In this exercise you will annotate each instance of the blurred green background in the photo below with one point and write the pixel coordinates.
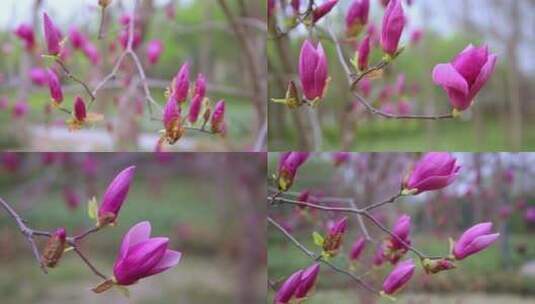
(207, 210)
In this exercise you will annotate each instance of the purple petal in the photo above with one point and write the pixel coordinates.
(483, 76)
(169, 259)
(447, 76)
(138, 233)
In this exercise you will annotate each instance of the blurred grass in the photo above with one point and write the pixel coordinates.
(412, 136)
(206, 273)
(482, 272)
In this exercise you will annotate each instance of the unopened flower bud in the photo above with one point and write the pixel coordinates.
(115, 196)
(333, 241)
(54, 248)
(79, 109)
(289, 162)
(52, 36)
(434, 266)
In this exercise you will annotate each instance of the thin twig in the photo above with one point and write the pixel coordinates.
(87, 262)
(74, 78)
(353, 82)
(27, 232)
(319, 258)
(364, 212)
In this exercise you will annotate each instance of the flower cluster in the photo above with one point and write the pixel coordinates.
(139, 255)
(462, 79)
(433, 171)
(200, 110)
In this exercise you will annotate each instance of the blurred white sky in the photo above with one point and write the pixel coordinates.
(64, 11)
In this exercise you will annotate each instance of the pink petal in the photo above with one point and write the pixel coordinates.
(483, 76)
(138, 233)
(447, 76)
(170, 259)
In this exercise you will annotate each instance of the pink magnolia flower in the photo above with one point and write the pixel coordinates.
(393, 23)
(52, 36)
(464, 77)
(287, 290)
(172, 121)
(473, 240)
(340, 158)
(271, 6)
(401, 274)
(333, 240)
(171, 113)
(289, 162)
(54, 248)
(180, 86)
(11, 161)
(115, 196)
(379, 255)
(154, 50)
(92, 53)
(505, 212)
(296, 4)
(195, 108)
(200, 86)
(72, 200)
(20, 109)
(218, 117)
(357, 17)
(357, 249)
(404, 107)
(56, 93)
(323, 10)
(365, 86)
(529, 214)
(77, 38)
(313, 71)
(79, 109)
(123, 39)
(416, 36)
(364, 53)
(400, 86)
(434, 171)
(308, 280)
(39, 76)
(25, 32)
(401, 229)
(141, 256)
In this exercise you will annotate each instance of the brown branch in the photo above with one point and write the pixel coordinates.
(87, 262)
(27, 232)
(362, 100)
(30, 233)
(102, 21)
(364, 212)
(319, 258)
(74, 78)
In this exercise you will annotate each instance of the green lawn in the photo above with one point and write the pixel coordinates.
(482, 272)
(391, 135)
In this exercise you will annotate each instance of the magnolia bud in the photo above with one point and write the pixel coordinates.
(54, 248)
(434, 266)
